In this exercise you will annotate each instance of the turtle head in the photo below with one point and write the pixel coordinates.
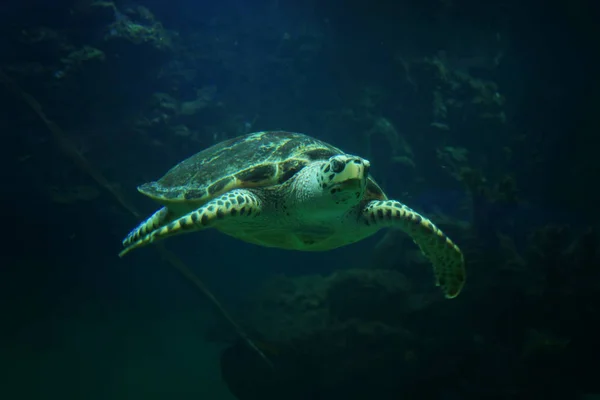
(329, 188)
(343, 178)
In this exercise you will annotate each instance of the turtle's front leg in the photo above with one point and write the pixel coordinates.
(156, 220)
(447, 259)
(239, 203)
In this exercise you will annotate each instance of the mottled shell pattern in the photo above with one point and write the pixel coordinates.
(255, 160)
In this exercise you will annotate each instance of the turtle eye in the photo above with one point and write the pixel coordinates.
(337, 166)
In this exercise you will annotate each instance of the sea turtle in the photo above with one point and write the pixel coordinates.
(291, 191)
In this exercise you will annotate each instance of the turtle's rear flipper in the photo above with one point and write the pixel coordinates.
(238, 203)
(448, 261)
(158, 219)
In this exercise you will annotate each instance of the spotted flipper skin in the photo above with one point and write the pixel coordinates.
(447, 259)
(158, 219)
(233, 204)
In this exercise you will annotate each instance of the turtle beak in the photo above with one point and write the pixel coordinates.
(357, 173)
(356, 170)
(367, 167)
(351, 174)
(363, 166)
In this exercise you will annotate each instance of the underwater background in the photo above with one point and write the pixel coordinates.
(481, 115)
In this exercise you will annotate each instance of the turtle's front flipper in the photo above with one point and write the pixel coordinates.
(447, 259)
(238, 203)
(158, 219)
